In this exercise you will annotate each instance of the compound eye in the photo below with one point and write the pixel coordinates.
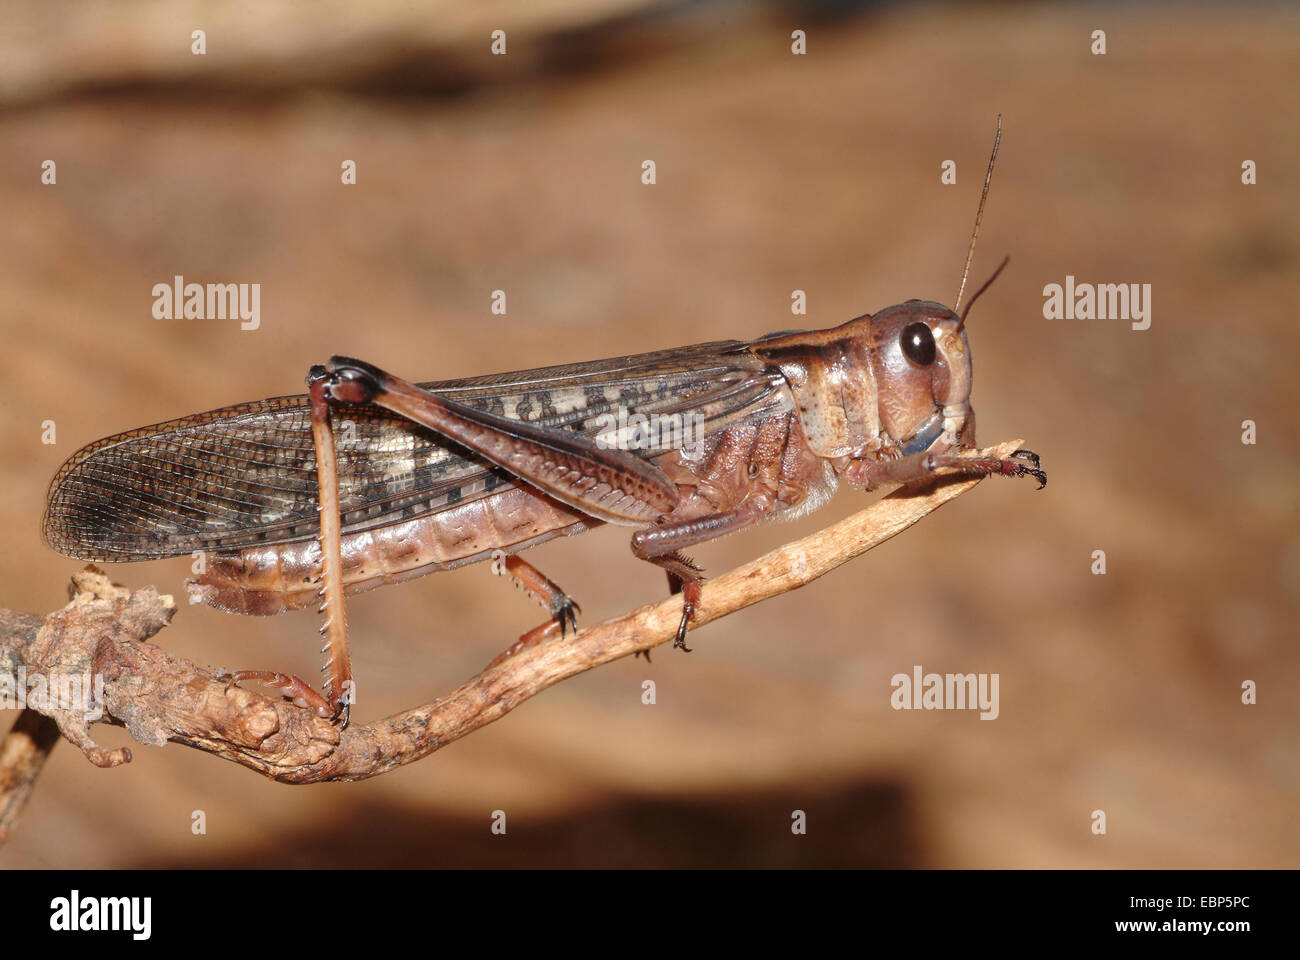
(918, 343)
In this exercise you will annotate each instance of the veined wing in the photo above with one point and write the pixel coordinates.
(245, 475)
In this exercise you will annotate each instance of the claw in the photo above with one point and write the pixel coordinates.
(688, 611)
(1014, 469)
(564, 614)
(565, 611)
(690, 596)
(1029, 455)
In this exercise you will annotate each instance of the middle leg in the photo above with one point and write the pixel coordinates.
(564, 609)
(662, 546)
(748, 477)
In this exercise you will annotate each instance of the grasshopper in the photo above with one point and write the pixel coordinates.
(448, 473)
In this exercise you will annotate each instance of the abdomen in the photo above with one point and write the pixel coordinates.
(266, 580)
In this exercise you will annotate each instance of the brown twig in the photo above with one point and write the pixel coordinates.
(161, 698)
(22, 755)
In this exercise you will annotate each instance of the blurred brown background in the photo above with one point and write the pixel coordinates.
(775, 172)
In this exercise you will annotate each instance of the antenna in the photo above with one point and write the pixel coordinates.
(979, 215)
(987, 283)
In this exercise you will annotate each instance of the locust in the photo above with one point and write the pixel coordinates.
(369, 479)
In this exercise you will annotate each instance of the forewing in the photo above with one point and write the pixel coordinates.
(245, 476)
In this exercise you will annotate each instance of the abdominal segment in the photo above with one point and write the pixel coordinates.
(261, 581)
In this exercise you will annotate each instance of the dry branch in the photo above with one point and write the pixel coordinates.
(160, 698)
(22, 755)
